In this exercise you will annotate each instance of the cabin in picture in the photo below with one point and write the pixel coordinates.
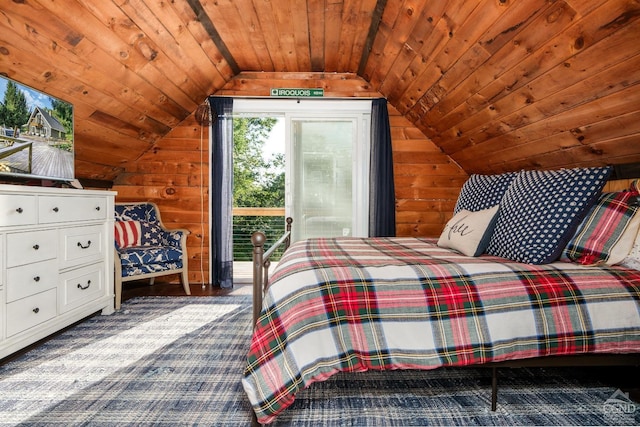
(44, 125)
(472, 87)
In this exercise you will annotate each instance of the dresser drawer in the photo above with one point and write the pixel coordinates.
(18, 210)
(28, 312)
(64, 209)
(81, 245)
(81, 286)
(31, 279)
(31, 246)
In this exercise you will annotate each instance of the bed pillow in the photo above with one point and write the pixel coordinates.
(469, 232)
(483, 191)
(632, 260)
(128, 234)
(602, 237)
(623, 247)
(541, 210)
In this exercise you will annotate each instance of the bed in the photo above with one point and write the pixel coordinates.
(355, 304)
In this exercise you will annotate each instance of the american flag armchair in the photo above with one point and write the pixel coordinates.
(145, 248)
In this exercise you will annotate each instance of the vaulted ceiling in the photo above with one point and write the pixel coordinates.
(496, 84)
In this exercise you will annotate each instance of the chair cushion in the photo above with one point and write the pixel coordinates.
(143, 255)
(137, 270)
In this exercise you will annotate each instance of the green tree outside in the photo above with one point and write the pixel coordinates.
(258, 182)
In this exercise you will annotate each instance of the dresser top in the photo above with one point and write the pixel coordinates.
(29, 189)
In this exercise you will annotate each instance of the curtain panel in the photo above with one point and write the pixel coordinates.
(382, 198)
(221, 165)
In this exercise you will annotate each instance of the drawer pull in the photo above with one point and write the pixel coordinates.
(56, 209)
(84, 287)
(19, 210)
(97, 208)
(36, 247)
(36, 279)
(80, 245)
(36, 310)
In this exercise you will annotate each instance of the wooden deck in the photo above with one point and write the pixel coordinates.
(243, 272)
(46, 161)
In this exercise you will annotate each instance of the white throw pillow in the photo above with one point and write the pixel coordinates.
(622, 249)
(469, 232)
(633, 258)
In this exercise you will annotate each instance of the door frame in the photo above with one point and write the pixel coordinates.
(292, 109)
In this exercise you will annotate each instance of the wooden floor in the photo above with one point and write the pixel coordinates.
(241, 285)
(142, 288)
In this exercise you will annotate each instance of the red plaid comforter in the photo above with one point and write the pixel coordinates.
(349, 304)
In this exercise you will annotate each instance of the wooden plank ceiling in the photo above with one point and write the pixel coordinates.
(497, 84)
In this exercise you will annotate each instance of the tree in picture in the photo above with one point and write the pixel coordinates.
(13, 110)
(63, 112)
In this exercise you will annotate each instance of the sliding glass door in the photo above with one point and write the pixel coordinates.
(326, 162)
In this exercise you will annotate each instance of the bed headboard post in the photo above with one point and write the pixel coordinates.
(258, 240)
(287, 242)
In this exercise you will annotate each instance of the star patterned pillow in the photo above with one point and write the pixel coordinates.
(541, 210)
(151, 234)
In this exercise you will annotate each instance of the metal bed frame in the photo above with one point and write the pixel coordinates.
(262, 262)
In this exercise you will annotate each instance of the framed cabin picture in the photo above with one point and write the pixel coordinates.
(36, 134)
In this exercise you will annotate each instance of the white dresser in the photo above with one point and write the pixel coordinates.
(56, 260)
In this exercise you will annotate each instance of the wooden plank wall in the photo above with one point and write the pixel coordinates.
(175, 175)
(618, 185)
(427, 181)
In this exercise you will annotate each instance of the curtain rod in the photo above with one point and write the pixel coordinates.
(319, 98)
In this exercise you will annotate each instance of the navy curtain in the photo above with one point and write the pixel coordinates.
(221, 165)
(382, 199)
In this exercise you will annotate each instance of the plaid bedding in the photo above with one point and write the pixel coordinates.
(350, 304)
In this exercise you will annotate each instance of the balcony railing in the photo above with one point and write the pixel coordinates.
(246, 221)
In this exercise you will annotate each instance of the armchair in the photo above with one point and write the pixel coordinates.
(145, 248)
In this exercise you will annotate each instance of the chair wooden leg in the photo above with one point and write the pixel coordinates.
(118, 292)
(184, 278)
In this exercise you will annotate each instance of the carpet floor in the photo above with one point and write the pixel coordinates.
(177, 361)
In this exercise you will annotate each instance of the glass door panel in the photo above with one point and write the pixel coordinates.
(322, 182)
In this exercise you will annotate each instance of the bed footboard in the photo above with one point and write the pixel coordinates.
(262, 262)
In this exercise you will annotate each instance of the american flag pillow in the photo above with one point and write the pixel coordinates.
(128, 234)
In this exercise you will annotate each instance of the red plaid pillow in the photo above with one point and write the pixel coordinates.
(128, 234)
(602, 229)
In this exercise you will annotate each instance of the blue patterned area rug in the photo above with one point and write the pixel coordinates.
(178, 361)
